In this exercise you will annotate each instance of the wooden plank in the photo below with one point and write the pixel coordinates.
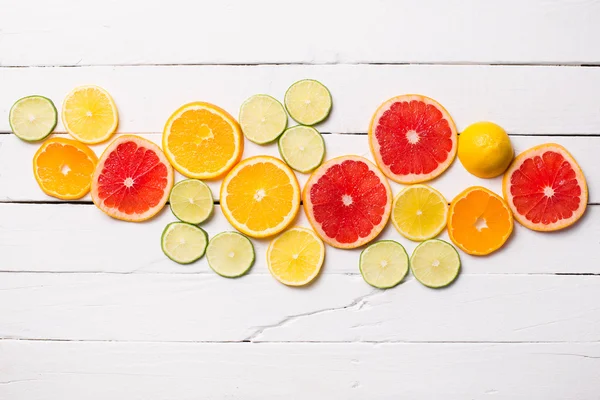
(266, 31)
(524, 100)
(18, 184)
(206, 307)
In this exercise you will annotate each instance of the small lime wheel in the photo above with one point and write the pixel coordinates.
(302, 148)
(308, 102)
(184, 243)
(191, 201)
(262, 119)
(435, 263)
(230, 254)
(33, 118)
(384, 264)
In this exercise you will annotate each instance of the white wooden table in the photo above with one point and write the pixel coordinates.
(91, 309)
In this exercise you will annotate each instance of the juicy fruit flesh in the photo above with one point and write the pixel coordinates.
(348, 201)
(302, 147)
(33, 118)
(295, 256)
(414, 138)
(308, 102)
(435, 263)
(184, 243)
(545, 188)
(191, 201)
(420, 213)
(89, 114)
(262, 118)
(230, 254)
(133, 179)
(384, 264)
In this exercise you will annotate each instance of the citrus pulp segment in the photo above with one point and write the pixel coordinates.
(479, 221)
(89, 114)
(413, 138)
(545, 188)
(435, 263)
(202, 141)
(302, 148)
(419, 212)
(295, 257)
(383, 264)
(63, 168)
(32, 118)
(260, 196)
(184, 243)
(262, 119)
(191, 201)
(347, 201)
(230, 254)
(133, 179)
(308, 102)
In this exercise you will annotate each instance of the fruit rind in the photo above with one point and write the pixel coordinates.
(282, 109)
(10, 120)
(441, 285)
(287, 161)
(168, 229)
(308, 123)
(183, 182)
(419, 238)
(250, 263)
(360, 264)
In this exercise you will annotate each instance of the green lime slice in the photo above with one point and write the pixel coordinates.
(262, 119)
(184, 243)
(308, 102)
(302, 148)
(384, 264)
(191, 201)
(230, 254)
(435, 263)
(32, 118)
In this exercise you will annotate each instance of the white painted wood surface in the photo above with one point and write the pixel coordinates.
(90, 307)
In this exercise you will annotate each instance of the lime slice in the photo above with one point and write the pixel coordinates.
(33, 118)
(191, 201)
(230, 254)
(184, 243)
(384, 264)
(302, 148)
(308, 102)
(262, 118)
(435, 263)
(419, 212)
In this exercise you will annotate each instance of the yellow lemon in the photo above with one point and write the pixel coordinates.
(484, 149)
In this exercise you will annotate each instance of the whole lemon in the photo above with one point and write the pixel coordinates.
(484, 149)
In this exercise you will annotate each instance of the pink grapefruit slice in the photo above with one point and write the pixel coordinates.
(133, 179)
(545, 188)
(347, 201)
(413, 138)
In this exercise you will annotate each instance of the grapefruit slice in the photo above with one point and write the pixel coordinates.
(413, 138)
(347, 201)
(545, 188)
(133, 179)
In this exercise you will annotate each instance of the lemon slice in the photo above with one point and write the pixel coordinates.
(89, 114)
(230, 254)
(302, 148)
(384, 264)
(308, 102)
(295, 257)
(419, 212)
(32, 118)
(184, 243)
(435, 263)
(191, 201)
(262, 119)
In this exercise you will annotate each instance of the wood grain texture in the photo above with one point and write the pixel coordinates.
(524, 100)
(65, 32)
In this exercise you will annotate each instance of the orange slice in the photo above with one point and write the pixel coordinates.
(63, 168)
(479, 221)
(202, 141)
(260, 196)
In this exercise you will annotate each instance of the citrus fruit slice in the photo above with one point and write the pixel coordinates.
(133, 179)
(413, 138)
(260, 196)
(484, 149)
(230, 254)
(308, 102)
(435, 263)
(302, 148)
(383, 264)
(347, 201)
(419, 212)
(191, 201)
(479, 221)
(32, 118)
(89, 114)
(295, 257)
(202, 141)
(184, 243)
(545, 188)
(262, 119)
(63, 168)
